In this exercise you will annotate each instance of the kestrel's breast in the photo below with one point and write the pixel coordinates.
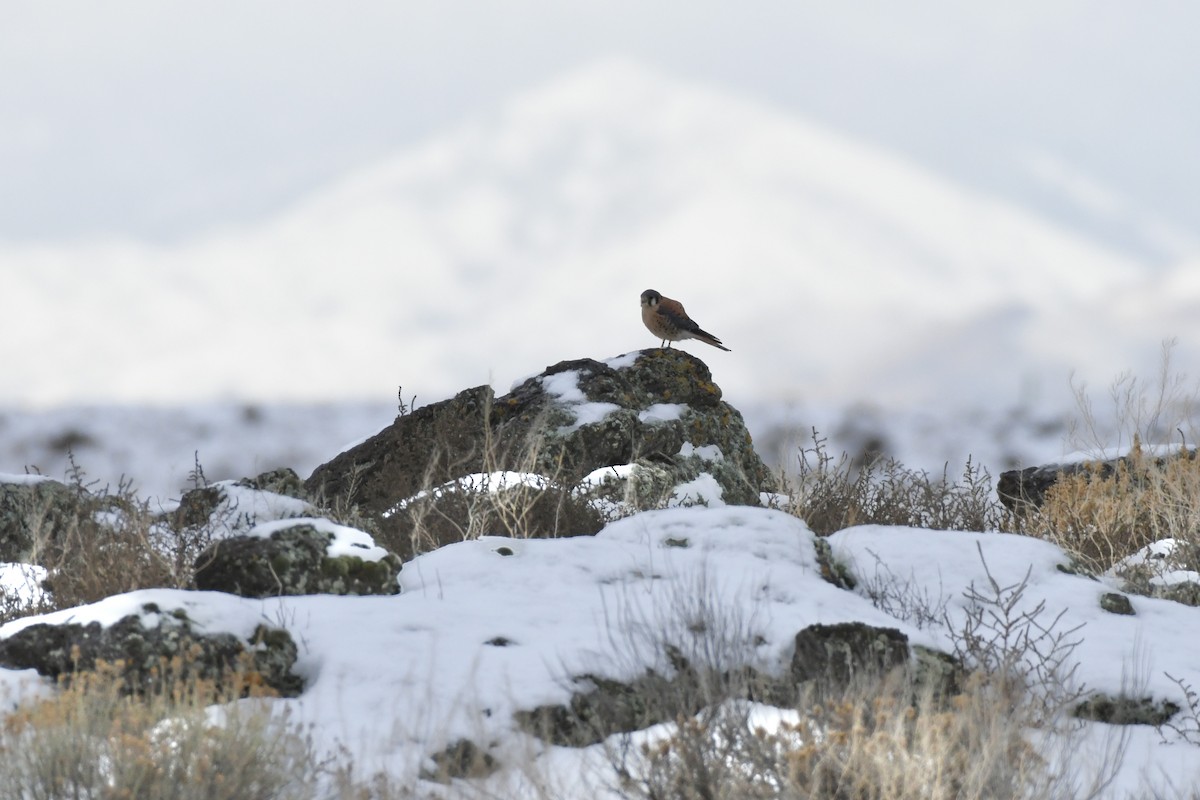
(659, 324)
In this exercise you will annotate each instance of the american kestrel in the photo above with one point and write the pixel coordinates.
(667, 320)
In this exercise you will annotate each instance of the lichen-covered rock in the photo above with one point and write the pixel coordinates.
(1124, 710)
(828, 658)
(1116, 603)
(655, 415)
(34, 510)
(142, 643)
(229, 508)
(1165, 569)
(301, 556)
(603, 706)
(833, 656)
(461, 760)
(283, 481)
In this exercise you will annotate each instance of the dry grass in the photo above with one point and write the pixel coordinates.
(1137, 409)
(517, 491)
(93, 738)
(908, 734)
(1114, 508)
(832, 493)
(886, 740)
(106, 541)
(871, 743)
(1103, 515)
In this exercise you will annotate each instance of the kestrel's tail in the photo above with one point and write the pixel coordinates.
(708, 338)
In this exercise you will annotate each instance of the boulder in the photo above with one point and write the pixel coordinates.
(233, 507)
(603, 706)
(827, 659)
(460, 760)
(300, 556)
(142, 643)
(1116, 603)
(1125, 710)
(33, 512)
(832, 657)
(1020, 489)
(655, 414)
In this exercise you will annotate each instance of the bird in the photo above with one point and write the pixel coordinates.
(667, 320)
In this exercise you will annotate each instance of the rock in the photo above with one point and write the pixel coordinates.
(831, 657)
(657, 410)
(282, 481)
(827, 658)
(1184, 592)
(460, 760)
(832, 571)
(141, 644)
(35, 511)
(605, 706)
(233, 507)
(1122, 710)
(1020, 489)
(293, 557)
(1116, 603)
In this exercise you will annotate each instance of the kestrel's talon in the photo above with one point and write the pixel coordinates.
(667, 320)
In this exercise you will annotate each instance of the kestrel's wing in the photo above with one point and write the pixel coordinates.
(678, 317)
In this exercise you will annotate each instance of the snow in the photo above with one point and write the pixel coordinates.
(346, 541)
(565, 387)
(242, 508)
(476, 482)
(22, 583)
(622, 362)
(702, 489)
(708, 452)
(484, 628)
(22, 479)
(662, 412)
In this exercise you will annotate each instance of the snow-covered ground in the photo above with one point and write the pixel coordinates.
(431, 658)
(485, 628)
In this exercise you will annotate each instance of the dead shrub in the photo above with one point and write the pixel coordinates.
(1104, 514)
(111, 541)
(517, 491)
(94, 738)
(832, 493)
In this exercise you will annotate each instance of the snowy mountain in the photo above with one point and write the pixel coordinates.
(835, 271)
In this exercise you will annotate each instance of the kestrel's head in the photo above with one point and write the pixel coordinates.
(650, 298)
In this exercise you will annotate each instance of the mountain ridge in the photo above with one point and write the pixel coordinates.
(471, 257)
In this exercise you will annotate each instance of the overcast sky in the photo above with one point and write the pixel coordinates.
(160, 120)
